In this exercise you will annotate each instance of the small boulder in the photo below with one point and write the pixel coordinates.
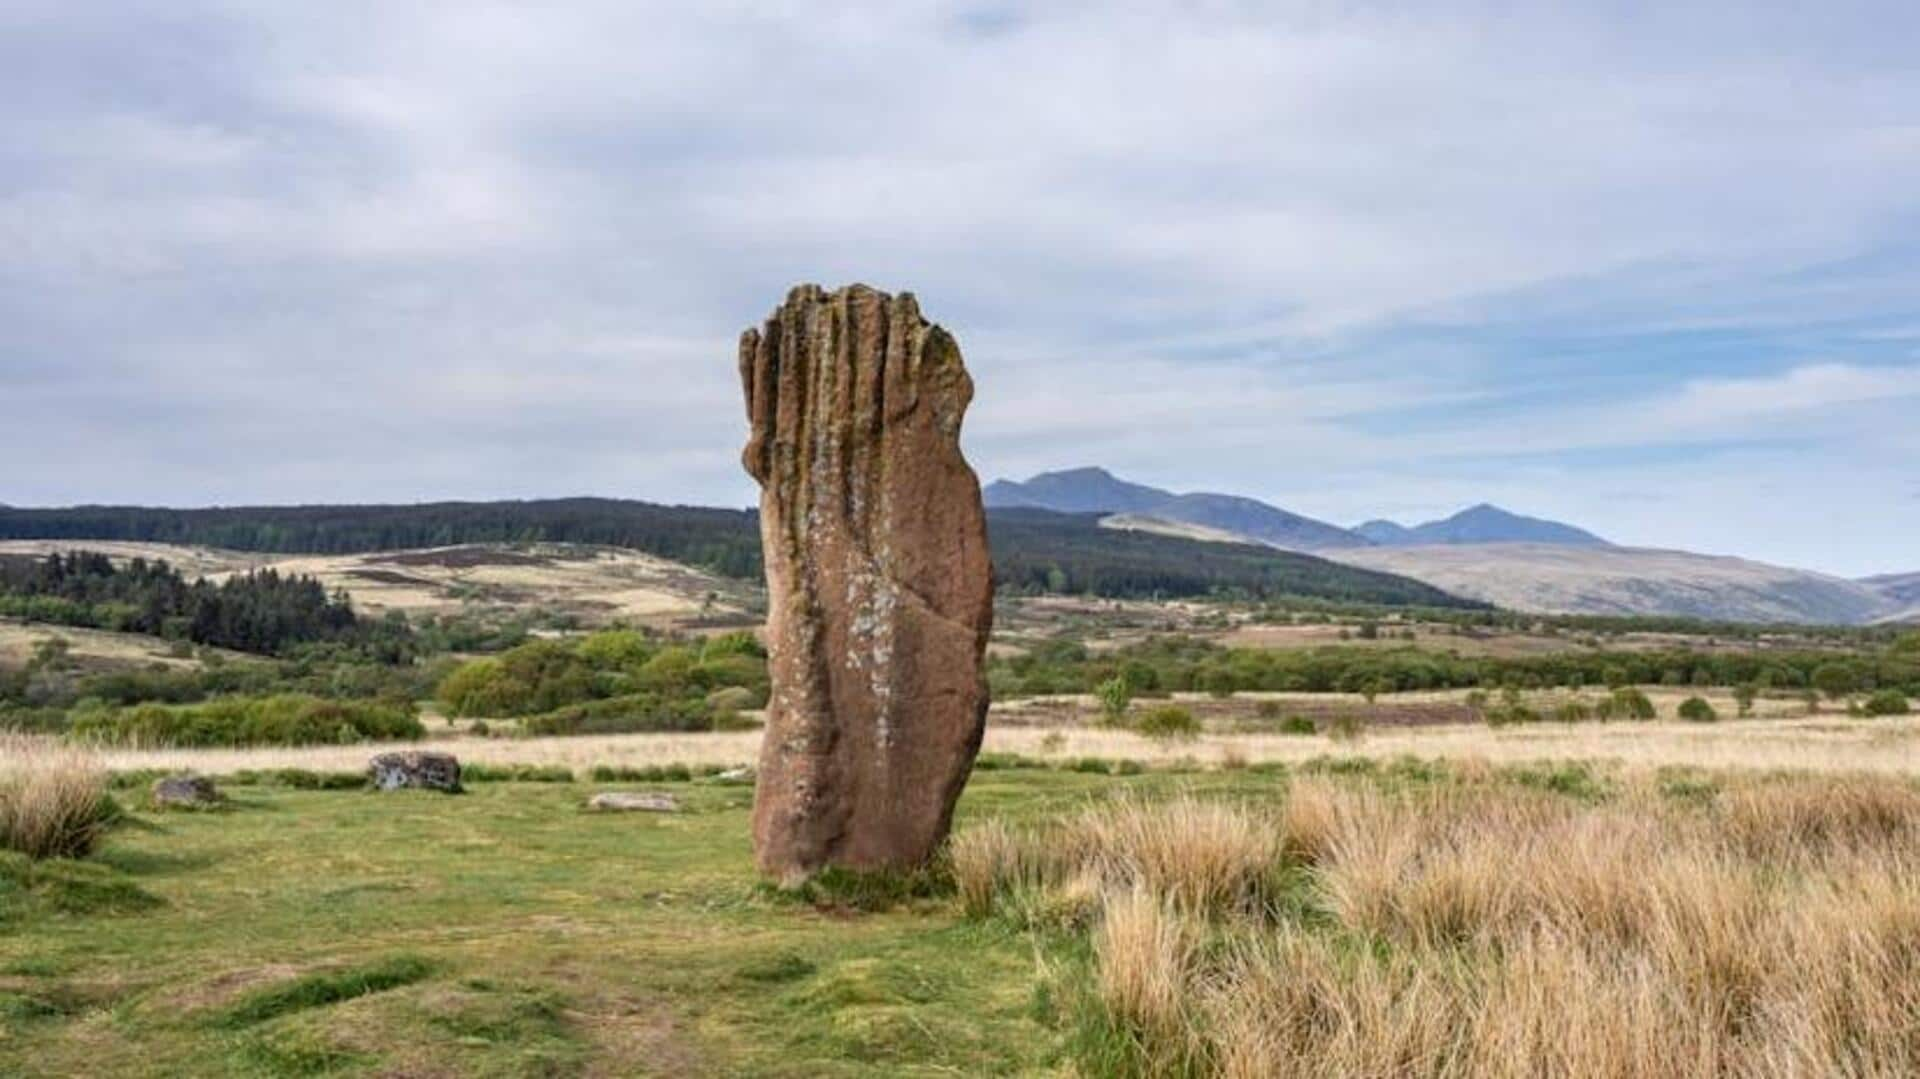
(184, 791)
(634, 801)
(415, 769)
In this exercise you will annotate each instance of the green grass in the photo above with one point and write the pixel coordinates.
(506, 933)
(313, 931)
(321, 989)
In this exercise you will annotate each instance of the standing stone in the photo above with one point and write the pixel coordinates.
(880, 588)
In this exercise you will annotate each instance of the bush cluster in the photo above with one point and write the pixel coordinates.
(1176, 664)
(286, 719)
(613, 682)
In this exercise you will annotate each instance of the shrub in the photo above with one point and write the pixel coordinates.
(635, 712)
(1626, 702)
(34, 720)
(1115, 695)
(287, 719)
(1836, 680)
(1887, 702)
(1168, 723)
(1298, 725)
(515, 773)
(653, 773)
(1697, 710)
(1346, 727)
(53, 799)
(1511, 709)
(302, 779)
(1572, 710)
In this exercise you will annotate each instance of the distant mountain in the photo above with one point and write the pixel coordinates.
(1550, 578)
(1386, 533)
(1095, 490)
(1479, 524)
(1901, 588)
(1902, 591)
(1076, 490)
(1037, 550)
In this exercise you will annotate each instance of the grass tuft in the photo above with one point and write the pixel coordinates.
(53, 799)
(322, 988)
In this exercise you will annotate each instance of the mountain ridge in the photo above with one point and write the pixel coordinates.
(1479, 524)
(1546, 578)
(1092, 489)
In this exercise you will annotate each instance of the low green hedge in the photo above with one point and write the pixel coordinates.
(632, 713)
(287, 719)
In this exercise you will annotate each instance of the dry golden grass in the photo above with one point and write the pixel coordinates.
(1819, 745)
(52, 798)
(1472, 929)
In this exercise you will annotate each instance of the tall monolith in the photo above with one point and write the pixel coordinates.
(880, 590)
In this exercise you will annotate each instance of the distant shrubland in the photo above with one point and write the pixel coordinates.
(612, 681)
(1185, 664)
(285, 720)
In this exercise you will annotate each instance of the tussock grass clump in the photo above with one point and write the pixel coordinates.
(1497, 928)
(53, 799)
(1167, 723)
(1144, 952)
(1196, 854)
(1803, 818)
(66, 886)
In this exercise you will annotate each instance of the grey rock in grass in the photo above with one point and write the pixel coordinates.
(184, 791)
(417, 770)
(634, 801)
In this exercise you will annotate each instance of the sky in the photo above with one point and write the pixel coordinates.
(1650, 269)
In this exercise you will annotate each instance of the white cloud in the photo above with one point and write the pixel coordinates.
(489, 246)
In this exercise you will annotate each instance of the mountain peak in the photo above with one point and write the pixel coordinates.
(1091, 489)
(1480, 523)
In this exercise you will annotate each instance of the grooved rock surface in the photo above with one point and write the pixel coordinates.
(880, 588)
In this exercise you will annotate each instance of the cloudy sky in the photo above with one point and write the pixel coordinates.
(1652, 269)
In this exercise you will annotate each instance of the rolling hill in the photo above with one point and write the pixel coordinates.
(1043, 551)
(1033, 549)
(1095, 490)
(1560, 579)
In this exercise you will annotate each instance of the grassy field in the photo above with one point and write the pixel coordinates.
(504, 932)
(508, 931)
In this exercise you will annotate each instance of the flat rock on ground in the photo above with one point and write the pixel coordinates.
(634, 801)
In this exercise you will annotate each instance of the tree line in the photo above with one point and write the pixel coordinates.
(724, 541)
(263, 612)
(1185, 664)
